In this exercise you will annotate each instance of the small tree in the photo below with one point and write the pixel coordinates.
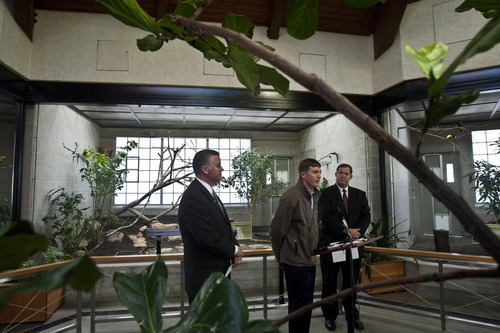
(253, 178)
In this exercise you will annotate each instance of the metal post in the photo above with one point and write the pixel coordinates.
(183, 288)
(79, 311)
(264, 283)
(441, 298)
(281, 287)
(92, 309)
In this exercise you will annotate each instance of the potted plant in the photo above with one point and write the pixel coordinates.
(253, 179)
(379, 267)
(485, 178)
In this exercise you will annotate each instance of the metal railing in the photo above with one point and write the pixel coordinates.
(440, 258)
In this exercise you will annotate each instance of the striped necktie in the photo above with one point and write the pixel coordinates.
(344, 197)
(217, 201)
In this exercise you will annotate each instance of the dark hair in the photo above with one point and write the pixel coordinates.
(304, 165)
(345, 165)
(202, 158)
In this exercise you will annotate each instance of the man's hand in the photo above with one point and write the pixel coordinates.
(355, 233)
(238, 257)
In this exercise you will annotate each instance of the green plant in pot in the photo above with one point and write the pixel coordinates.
(391, 237)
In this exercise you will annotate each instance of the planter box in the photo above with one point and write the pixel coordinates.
(32, 306)
(384, 270)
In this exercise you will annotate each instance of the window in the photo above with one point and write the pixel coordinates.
(143, 164)
(484, 148)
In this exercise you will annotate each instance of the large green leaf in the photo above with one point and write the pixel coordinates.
(302, 18)
(430, 59)
(483, 41)
(184, 9)
(245, 68)
(363, 3)
(448, 105)
(212, 48)
(130, 13)
(238, 23)
(17, 243)
(489, 8)
(143, 294)
(272, 77)
(81, 274)
(219, 306)
(149, 43)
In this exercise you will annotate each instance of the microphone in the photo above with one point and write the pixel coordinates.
(344, 222)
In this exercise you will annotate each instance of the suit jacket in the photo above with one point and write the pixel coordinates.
(331, 208)
(209, 242)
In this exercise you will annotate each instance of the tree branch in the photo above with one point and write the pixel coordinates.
(457, 205)
(436, 277)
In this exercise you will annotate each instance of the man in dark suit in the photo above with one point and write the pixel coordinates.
(209, 243)
(336, 203)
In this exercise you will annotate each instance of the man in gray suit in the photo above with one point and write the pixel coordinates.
(209, 243)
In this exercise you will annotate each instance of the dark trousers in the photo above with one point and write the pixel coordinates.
(300, 287)
(330, 271)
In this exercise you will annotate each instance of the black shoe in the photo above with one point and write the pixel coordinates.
(358, 325)
(330, 325)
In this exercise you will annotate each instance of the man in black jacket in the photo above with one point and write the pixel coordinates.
(336, 204)
(209, 243)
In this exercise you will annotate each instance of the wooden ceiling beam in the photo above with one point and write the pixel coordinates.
(277, 16)
(162, 8)
(24, 14)
(388, 26)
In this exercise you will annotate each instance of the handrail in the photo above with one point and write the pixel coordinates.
(430, 254)
(255, 252)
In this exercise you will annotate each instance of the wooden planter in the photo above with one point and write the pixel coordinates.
(32, 306)
(384, 270)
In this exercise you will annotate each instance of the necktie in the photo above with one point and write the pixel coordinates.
(344, 197)
(217, 201)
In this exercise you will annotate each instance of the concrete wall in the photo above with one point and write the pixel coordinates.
(81, 47)
(48, 165)
(352, 146)
(399, 186)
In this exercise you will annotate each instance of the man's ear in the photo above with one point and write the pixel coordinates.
(302, 175)
(204, 169)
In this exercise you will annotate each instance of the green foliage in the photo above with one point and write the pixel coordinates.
(363, 3)
(68, 223)
(253, 178)
(17, 247)
(430, 59)
(18, 243)
(324, 183)
(143, 294)
(486, 180)
(219, 306)
(231, 55)
(105, 175)
(302, 18)
(390, 239)
(489, 8)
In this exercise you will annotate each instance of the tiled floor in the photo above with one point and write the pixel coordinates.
(375, 319)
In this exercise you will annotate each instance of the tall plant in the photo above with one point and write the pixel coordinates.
(253, 178)
(485, 178)
(104, 174)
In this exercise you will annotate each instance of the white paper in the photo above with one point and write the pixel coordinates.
(339, 256)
